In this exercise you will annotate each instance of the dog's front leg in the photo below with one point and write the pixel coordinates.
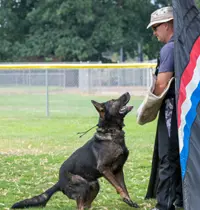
(111, 178)
(120, 179)
(123, 193)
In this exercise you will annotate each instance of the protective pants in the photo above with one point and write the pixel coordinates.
(168, 153)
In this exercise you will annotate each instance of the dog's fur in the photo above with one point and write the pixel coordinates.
(103, 155)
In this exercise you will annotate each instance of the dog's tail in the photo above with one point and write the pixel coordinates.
(39, 200)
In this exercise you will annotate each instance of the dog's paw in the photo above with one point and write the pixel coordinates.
(130, 203)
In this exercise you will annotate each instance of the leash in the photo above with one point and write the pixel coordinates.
(84, 132)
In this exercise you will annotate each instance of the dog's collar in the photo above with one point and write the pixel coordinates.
(108, 134)
(109, 130)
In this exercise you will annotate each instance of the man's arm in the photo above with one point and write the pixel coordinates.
(162, 81)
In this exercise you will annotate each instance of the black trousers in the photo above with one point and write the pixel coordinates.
(168, 153)
(166, 173)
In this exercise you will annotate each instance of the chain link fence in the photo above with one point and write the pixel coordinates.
(91, 81)
(49, 86)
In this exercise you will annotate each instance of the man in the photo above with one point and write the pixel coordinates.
(165, 175)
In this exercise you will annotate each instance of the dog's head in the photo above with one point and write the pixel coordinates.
(113, 111)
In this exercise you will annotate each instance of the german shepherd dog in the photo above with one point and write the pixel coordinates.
(102, 156)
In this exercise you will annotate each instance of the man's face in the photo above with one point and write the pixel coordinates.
(159, 30)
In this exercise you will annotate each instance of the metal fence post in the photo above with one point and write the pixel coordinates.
(47, 93)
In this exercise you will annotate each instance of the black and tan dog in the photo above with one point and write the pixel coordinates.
(103, 155)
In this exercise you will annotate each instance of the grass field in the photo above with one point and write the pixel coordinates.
(32, 148)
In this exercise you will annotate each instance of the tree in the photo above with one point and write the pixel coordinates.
(74, 30)
(13, 24)
(136, 21)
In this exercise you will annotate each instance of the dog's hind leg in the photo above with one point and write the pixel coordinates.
(80, 190)
(94, 189)
(80, 204)
(86, 200)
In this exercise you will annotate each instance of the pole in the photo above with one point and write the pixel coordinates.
(47, 93)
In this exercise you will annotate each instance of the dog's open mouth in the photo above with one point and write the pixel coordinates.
(125, 98)
(125, 109)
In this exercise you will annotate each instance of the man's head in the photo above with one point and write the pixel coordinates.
(162, 23)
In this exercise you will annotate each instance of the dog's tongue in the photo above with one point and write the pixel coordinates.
(125, 109)
(130, 108)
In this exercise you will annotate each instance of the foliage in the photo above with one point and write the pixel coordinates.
(76, 30)
(72, 30)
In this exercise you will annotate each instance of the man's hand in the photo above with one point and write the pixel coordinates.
(161, 82)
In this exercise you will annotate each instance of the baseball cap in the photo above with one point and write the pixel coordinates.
(161, 15)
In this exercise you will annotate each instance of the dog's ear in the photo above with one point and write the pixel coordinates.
(99, 108)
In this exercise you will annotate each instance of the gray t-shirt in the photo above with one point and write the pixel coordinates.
(167, 57)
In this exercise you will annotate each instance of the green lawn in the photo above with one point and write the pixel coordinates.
(33, 147)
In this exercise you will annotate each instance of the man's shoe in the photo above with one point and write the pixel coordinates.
(178, 204)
